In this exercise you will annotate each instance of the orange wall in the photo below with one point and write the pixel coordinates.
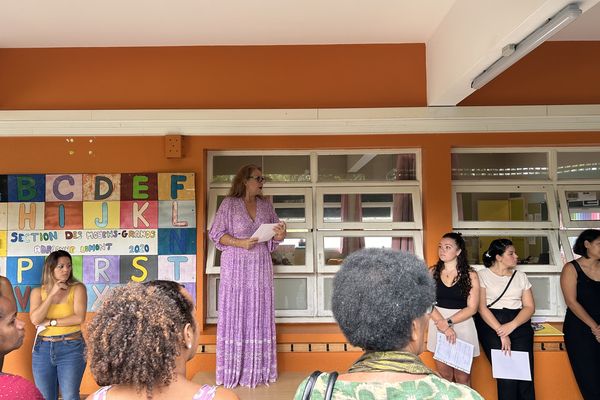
(213, 77)
(142, 154)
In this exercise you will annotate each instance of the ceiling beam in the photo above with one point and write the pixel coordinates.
(471, 37)
(347, 121)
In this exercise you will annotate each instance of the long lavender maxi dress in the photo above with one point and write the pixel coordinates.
(246, 343)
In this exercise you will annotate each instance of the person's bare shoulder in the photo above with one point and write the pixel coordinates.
(225, 394)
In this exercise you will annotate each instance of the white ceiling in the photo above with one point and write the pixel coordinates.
(462, 37)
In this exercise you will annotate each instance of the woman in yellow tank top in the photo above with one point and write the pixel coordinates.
(58, 309)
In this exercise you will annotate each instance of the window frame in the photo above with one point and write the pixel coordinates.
(551, 236)
(280, 315)
(564, 206)
(417, 237)
(548, 189)
(414, 191)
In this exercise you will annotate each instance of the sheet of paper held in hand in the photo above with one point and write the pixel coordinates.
(458, 355)
(515, 366)
(264, 232)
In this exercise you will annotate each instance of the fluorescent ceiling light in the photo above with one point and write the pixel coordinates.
(513, 53)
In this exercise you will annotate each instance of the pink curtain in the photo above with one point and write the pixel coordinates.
(402, 203)
(351, 212)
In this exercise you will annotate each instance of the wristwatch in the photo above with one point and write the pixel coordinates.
(450, 323)
(53, 322)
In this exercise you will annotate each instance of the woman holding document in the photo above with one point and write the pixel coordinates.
(246, 343)
(505, 307)
(457, 293)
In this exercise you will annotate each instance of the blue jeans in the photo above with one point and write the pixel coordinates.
(59, 364)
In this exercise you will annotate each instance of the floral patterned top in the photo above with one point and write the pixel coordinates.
(429, 388)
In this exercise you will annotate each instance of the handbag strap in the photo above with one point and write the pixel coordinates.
(330, 384)
(504, 291)
(310, 384)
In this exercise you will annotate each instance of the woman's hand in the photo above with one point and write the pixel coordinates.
(280, 231)
(450, 335)
(442, 325)
(506, 329)
(247, 243)
(596, 332)
(57, 288)
(505, 340)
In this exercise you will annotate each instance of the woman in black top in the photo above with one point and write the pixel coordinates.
(580, 284)
(457, 293)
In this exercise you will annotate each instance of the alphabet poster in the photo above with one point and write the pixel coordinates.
(117, 227)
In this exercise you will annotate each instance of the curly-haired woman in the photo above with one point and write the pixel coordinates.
(382, 300)
(457, 290)
(58, 309)
(140, 340)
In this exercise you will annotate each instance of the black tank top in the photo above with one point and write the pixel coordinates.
(588, 292)
(450, 297)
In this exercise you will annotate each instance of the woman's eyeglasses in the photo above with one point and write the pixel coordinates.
(259, 179)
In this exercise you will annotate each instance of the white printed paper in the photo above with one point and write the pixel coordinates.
(515, 366)
(458, 355)
(264, 232)
(38, 329)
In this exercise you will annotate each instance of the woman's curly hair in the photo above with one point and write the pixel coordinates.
(137, 333)
(377, 293)
(462, 265)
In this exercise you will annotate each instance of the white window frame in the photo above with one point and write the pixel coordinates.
(415, 151)
(564, 206)
(308, 230)
(212, 154)
(416, 236)
(308, 266)
(557, 150)
(557, 303)
(551, 236)
(551, 167)
(568, 249)
(280, 315)
(415, 199)
(505, 188)
(321, 311)
(213, 194)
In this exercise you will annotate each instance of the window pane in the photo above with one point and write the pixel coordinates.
(367, 167)
(480, 166)
(292, 251)
(578, 165)
(531, 250)
(327, 292)
(379, 207)
(225, 167)
(583, 205)
(502, 207)
(337, 248)
(290, 294)
(542, 291)
(289, 168)
(290, 208)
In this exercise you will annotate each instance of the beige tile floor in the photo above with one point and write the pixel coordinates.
(283, 389)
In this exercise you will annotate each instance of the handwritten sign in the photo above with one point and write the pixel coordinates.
(117, 227)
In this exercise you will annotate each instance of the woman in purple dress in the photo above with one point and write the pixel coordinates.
(246, 342)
